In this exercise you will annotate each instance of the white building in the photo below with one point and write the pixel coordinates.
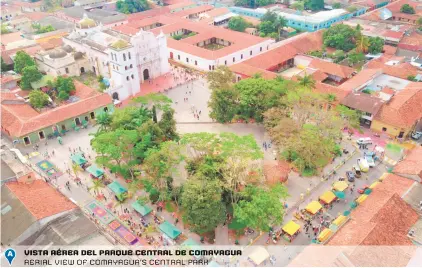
(62, 61)
(125, 60)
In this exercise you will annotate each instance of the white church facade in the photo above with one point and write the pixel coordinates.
(124, 60)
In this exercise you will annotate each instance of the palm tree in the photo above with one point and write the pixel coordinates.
(307, 81)
(362, 43)
(75, 169)
(279, 24)
(103, 120)
(97, 185)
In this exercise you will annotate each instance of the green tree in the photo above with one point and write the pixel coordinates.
(63, 95)
(242, 3)
(376, 45)
(408, 9)
(65, 84)
(104, 121)
(307, 81)
(298, 5)
(340, 36)
(4, 66)
(202, 204)
(269, 16)
(238, 24)
(352, 9)
(351, 117)
(132, 6)
(355, 57)
(264, 208)
(314, 4)
(223, 104)
(39, 29)
(221, 77)
(168, 125)
(4, 29)
(29, 74)
(22, 60)
(261, 3)
(266, 27)
(362, 43)
(38, 99)
(419, 21)
(154, 114)
(336, 5)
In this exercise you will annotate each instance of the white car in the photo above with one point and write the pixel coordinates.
(364, 141)
(370, 160)
(416, 135)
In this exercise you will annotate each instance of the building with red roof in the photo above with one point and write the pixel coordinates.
(401, 113)
(23, 123)
(411, 166)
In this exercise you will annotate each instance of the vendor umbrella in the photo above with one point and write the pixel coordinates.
(353, 205)
(346, 213)
(368, 191)
(340, 195)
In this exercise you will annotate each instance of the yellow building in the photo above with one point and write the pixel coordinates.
(399, 116)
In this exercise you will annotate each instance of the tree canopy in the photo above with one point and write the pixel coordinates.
(22, 60)
(38, 99)
(29, 74)
(238, 24)
(132, 6)
(314, 4)
(39, 29)
(376, 45)
(407, 9)
(340, 36)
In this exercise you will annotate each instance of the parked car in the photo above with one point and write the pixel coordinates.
(364, 141)
(350, 176)
(363, 188)
(363, 164)
(416, 135)
(357, 171)
(370, 160)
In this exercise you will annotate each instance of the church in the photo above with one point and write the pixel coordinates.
(124, 60)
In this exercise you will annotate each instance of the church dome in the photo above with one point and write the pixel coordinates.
(67, 48)
(78, 55)
(86, 23)
(120, 44)
(57, 54)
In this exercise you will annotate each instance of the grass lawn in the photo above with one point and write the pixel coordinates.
(213, 46)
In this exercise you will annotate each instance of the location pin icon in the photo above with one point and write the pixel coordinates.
(10, 255)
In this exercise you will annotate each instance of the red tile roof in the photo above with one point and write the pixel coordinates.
(148, 14)
(249, 71)
(329, 89)
(52, 43)
(412, 163)
(389, 50)
(319, 76)
(126, 29)
(36, 16)
(363, 102)
(393, 34)
(361, 78)
(20, 119)
(332, 68)
(411, 42)
(382, 219)
(40, 199)
(404, 109)
(194, 10)
(11, 37)
(402, 70)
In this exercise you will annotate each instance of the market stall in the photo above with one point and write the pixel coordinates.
(327, 198)
(141, 209)
(290, 231)
(191, 244)
(314, 207)
(259, 256)
(95, 172)
(79, 160)
(339, 220)
(324, 235)
(361, 198)
(340, 186)
(170, 232)
(119, 191)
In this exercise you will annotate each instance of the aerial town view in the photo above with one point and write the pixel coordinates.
(287, 130)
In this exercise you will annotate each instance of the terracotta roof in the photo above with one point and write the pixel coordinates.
(319, 76)
(125, 29)
(388, 90)
(389, 50)
(383, 219)
(251, 20)
(329, 89)
(11, 37)
(148, 14)
(393, 34)
(412, 163)
(7, 78)
(194, 10)
(363, 102)
(249, 71)
(31, 50)
(40, 199)
(20, 119)
(361, 78)
(36, 16)
(27, 4)
(402, 70)
(412, 41)
(332, 68)
(51, 43)
(404, 109)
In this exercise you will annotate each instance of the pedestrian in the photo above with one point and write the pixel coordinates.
(199, 111)
(190, 93)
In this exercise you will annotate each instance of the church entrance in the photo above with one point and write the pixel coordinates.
(82, 70)
(146, 74)
(115, 96)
